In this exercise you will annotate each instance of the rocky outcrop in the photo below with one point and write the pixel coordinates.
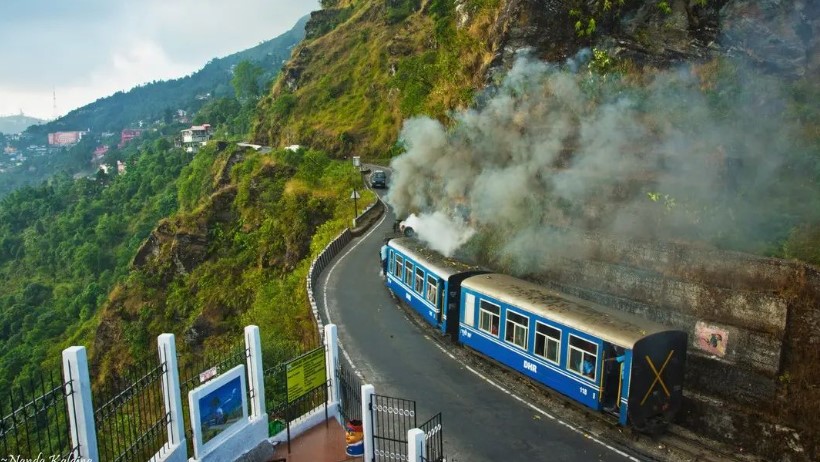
(177, 247)
(781, 36)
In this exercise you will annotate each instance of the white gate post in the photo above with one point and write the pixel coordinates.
(256, 373)
(416, 449)
(80, 405)
(332, 361)
(167, 349)
(367, 420)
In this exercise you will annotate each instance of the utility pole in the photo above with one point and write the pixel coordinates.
(355, 197)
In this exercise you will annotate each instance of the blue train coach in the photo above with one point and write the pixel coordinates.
(606, 359)
(427, 281)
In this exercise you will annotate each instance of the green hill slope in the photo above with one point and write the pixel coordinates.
(368, 65)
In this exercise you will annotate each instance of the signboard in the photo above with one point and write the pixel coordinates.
(306, 373)
(217, 407)
(206, 375)
(355, 195)
(711, 339)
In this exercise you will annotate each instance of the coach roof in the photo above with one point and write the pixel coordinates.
(432, 260)
(614, 326)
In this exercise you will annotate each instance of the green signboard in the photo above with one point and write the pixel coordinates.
(306, 373)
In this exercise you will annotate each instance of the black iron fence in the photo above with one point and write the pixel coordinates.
(284, 409)
(196, 372)
(350, 393)
(35, 419)
(433, 439)
(392, 419)
(130, 416)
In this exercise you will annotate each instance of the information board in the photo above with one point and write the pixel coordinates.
(306, 373)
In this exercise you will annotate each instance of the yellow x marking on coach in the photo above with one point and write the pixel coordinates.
(657, 376)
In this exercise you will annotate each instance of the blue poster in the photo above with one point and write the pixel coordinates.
(220, 408)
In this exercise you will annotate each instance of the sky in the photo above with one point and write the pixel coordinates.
(88, 49)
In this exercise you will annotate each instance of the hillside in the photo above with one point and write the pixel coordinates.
(542, 128)
(17, 123)
(656, 131)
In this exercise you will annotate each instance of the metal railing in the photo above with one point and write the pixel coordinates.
(392, 418)
(34, 419)
(350, 393)
(131, 419)
(276, 393)
(433, 439)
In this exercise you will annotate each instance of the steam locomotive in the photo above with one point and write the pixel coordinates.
(605, 359)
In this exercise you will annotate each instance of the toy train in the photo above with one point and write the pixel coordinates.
(605, 359)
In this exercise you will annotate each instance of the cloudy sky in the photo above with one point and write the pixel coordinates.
(88, 49)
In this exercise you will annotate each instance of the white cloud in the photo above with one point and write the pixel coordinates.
(88, 49)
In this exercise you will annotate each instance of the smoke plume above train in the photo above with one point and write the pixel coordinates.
(697, 152)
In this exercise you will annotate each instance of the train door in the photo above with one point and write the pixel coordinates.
(612, 378)
(453, 306)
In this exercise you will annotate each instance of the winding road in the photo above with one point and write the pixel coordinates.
(482, 419)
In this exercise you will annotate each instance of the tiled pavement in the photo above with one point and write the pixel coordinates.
(322, 443)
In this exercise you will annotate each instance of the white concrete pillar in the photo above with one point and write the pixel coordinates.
(256, 373)
(332, 361)
(367, 420)
(80, 405)
(167, 349)
(416, 447)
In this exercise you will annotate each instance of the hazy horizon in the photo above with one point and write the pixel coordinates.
(99, 47)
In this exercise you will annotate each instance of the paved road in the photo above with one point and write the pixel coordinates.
(482, 421)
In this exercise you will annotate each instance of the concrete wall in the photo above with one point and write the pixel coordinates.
(742, 314)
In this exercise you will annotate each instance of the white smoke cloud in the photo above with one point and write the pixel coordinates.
(678, 155)
(442, 233)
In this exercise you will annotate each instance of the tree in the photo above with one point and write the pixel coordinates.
(245, 81)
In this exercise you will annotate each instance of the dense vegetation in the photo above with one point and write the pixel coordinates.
(398, 61)
(236, 253)
(64, 243)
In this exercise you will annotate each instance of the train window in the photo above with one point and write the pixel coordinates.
(583, 357)
(469, 309)
(408, 274)
(547, 342)
(398, 268)
(432, 290)
(489, 316)
(390, 260)
(419, 281)
(516, 329)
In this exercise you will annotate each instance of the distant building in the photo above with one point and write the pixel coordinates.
(129, 134)
(120, 167)
(195, 137)
(100, 152)
(65, 138)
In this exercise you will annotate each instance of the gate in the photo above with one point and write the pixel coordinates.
(433, 439)
(350, 393)
(392, 419)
